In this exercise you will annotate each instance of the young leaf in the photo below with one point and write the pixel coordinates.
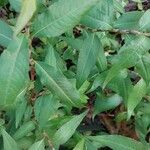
(129, 20)
(50, 56)
(118, 142)
(143, 67)
(121, 84)
(64, 133)
(14, 73)
(9, 142)
(38, 146)
(128, 56)
(136, 95)
(60, 17)
(101, 16)
(6, 34)
(44, 108)
(80, 145)
(24, 130)
(58, 84)
(144, 21)
(104, 104)
(74, 42)
(20, 107)
(27, 11)
(87, 58)
(78, 44)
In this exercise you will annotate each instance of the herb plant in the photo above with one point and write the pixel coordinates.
(74, 74)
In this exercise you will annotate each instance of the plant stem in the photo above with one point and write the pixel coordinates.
(126, 32)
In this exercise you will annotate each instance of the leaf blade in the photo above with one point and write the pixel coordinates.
(62, 16)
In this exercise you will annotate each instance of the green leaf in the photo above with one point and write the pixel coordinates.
(44, 108)
(3, 2)
(129, 20)
(80, 145)
(101, 60)
(65, 132)
(118, 6)
(103, 104)
(121, 84)
(143, 67)
(24, 130)
(53, 58)
(87, 58)
(50, 56)
(60, 17)
(9, 142)
(74, 42)
(118, 142)
(25, 142)
(144, 21)
(38, 146)
(6, 34)
(78, 44)
(58, 84)
(128, 56)
(20, 107)
(27, 11)
(136, 95)
(16, 4)
(14, 69)
(101, 16)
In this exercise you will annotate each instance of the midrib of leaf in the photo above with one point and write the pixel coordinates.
(5, 37)
(22, 91)
(53, 81)
(57, 20)
(88, 55)
(11, 71)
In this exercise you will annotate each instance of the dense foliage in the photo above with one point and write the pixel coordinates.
(74, 74)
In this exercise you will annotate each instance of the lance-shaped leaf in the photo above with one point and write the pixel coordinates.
(9, 142)
(38, 146)
(5, 34)
(117, 142)
(58, 83)
(144, 21)
(24, 130)
(87, 58)
(27, 11)
(50, 57)
(103, 104)
(136, 95)
(129, 20)
(80, 145)
(21, 106)
(143, 67)
(101, 16)
(65, 132)
(44, 108)
(78, 44)
(128, 56)
(60, 17)
(14, 69)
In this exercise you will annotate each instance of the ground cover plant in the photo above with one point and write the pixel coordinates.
(74, 74)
